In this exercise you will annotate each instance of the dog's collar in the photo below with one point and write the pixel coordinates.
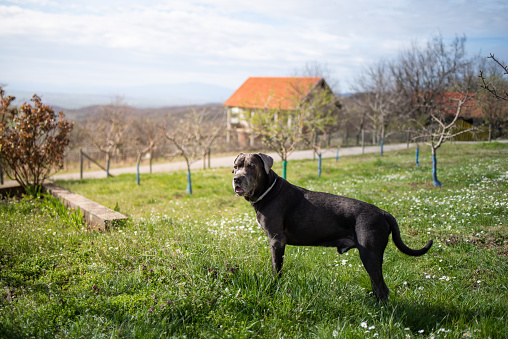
(264, 194)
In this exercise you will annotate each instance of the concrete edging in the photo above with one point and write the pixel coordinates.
(98, 217)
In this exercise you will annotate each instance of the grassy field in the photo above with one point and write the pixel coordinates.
(199, 266)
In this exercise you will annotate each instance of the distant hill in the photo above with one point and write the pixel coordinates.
(143, 96)
(172, 112)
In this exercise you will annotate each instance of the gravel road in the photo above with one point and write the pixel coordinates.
(225, 162)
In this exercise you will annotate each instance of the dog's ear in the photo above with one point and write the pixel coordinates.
(234, 162)
(267, 161)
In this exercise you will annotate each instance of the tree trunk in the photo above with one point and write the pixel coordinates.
(435, 181)
(363, 141)
(138, 160)
(80, 166)
(319, 164)
(189, 181)
(108, 157)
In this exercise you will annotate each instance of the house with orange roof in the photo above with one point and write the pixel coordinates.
(266, 93)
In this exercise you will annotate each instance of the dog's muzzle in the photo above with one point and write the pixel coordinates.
(238, 186)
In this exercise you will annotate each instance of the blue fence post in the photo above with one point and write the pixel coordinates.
(417, 156)
(381, 151)
(284, 169)
(337, 156)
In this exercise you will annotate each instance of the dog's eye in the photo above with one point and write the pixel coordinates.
(251, 166)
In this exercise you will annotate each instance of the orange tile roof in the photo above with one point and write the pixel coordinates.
(272, 92)
(448, 101)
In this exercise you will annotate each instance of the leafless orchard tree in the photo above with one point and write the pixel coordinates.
(183, 138)
(107, 130)
(144, 134)
(493, 98)
(193, 137)
(324, 110)
(379, 100)
(492, 84)
(318, 69)
(423, 77)
(207, 130)
(439, 130)
(322, 113)
(356, 117)
(280, 130)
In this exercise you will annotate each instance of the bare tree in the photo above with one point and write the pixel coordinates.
(144, 135)
(379, 100)
(356, 116)
(281, 130)
(439, 130)
(424, 76)
(183, 137)
(193, 136)
(319, 69)
(322, 115)
(206, 130)
(107, 129)
(494, 108)
(492, 85)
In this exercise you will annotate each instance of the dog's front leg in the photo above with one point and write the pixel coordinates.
(278, 245)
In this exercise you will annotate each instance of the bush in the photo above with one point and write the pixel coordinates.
(32, 140)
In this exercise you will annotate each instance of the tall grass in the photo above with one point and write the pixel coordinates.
(199, 266)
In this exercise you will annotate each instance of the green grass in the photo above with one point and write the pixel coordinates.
(199, 266)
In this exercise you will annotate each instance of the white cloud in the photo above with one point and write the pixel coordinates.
(173, 38)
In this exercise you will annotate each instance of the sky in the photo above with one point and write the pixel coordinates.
(107, 46)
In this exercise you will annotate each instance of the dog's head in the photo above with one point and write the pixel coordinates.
(251, 174)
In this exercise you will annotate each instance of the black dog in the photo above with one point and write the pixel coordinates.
(291, 215)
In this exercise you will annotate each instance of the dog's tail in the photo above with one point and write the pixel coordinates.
(400, 244)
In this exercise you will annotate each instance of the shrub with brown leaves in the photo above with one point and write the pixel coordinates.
(32, 140)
